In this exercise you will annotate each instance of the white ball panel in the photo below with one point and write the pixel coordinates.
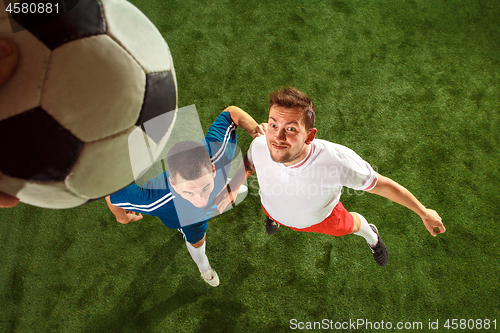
(93, 88)
(163, 141)
(41, 194)
(103, 167)
(141, 150)
(22, 92)
(141, 39)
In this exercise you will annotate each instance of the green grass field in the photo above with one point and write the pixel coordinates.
(412, 86)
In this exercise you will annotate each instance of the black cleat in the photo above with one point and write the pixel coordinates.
(379, 250)
(271, 226)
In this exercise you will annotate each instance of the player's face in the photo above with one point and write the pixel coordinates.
(287, 137)
(195, 191)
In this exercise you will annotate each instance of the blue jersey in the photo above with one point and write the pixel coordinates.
(157, 199)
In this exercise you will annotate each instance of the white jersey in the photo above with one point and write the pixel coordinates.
(305, 193)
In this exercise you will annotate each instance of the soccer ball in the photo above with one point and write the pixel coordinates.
(88, 76)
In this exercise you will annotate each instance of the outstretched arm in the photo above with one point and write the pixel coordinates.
(391, 190)
(123, 216)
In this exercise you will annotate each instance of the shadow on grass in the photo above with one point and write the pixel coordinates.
(127, 315)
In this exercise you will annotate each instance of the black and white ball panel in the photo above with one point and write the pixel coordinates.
(140, 38)
(160, 98)
(80, 19)
(43, 194)
(35, 136)
(107, 160)
(94, 88)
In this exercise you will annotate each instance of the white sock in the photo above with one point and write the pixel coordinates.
(366, 231)
(199, 256)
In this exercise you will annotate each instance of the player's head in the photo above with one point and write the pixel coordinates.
(191, 172)
(291, 125)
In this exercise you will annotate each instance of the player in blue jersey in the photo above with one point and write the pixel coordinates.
(185, 196)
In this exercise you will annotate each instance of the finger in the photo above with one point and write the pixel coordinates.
(7, 201)
(9, 58)
(438, 230)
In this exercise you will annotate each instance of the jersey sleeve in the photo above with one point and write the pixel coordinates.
(356, 172)
(254, 146)
(135, 197)
(249, 152)
(221, 140)
(222, 129)
(133, 192)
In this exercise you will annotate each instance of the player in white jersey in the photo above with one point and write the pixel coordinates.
(301, 177)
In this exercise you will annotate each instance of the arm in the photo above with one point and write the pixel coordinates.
(245, 121)
(123, 216)
(226, 197)
(391, 190)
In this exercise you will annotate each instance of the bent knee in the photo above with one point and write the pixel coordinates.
(356, 222)
(199, 243)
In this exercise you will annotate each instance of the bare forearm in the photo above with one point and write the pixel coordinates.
(242, 119)
(244, 171)
(397, 193)
(393, 191)
(119, 213)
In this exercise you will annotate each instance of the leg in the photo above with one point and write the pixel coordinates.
(197, 251)
(362, 228)
(370, 233)
(271, 226)
(195, 236)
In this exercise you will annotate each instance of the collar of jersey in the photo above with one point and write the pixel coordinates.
(304, 160)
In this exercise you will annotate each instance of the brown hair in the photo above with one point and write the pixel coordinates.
(188, 159)
(293, 98)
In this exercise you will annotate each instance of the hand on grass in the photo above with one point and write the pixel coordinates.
(432, 222)
(130, 217)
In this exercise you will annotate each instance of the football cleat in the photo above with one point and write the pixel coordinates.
(379, 250)
(211, 277)
(271, 226)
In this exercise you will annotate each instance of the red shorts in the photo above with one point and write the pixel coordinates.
(338, 223)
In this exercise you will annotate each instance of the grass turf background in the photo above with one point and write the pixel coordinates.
(412, 86)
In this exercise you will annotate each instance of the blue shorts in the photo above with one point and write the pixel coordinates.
(195, 232)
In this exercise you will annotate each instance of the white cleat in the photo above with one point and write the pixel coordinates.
(211, 277)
